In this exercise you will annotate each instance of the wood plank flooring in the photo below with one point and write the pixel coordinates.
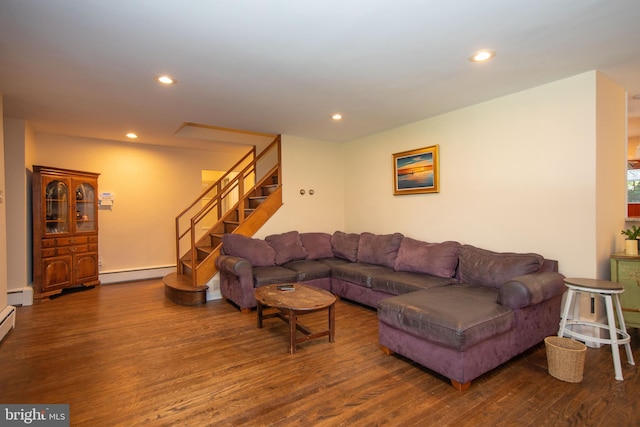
(122, 355)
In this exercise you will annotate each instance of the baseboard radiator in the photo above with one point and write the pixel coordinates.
(7, 320)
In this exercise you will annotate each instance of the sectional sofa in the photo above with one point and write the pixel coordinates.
(456, 309)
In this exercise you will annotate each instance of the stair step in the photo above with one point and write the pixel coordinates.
(204, 251)
(255, 201)
(179, 289)
(269, 189)
(186, 266)
(229, 226)
(201, 253)
(216, 239)
(247, 212)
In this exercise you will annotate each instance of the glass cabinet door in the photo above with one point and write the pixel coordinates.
(85, 197)
(56, 207)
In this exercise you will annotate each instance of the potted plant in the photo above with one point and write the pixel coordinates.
(631, 243)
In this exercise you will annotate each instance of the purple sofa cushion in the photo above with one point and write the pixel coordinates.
(317, 245)
(436, 259)
(273, 274)
(403, 282)
(258, 252)
(345, 245)
(492, 269)
(288, 247)
(379, 249)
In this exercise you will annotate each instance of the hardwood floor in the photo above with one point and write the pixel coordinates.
(124, 355)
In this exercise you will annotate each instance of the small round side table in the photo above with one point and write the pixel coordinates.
(610, 291)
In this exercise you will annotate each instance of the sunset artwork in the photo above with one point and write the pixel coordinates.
(416, 171)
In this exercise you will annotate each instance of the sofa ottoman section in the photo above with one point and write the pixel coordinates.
(458, 331)
(457, 316)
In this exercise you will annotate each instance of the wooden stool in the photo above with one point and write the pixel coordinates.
(617, 336)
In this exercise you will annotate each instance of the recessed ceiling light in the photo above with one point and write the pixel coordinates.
(336, 116)
(132, 135)
(482, 55)
(166, 80)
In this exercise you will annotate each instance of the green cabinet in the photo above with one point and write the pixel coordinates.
(625, 269)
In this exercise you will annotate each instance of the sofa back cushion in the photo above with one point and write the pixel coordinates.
(379, 249)
(435, 259)
(345, 245)
(258, 252)
(317, 245)
(288, 247)
(492, 269)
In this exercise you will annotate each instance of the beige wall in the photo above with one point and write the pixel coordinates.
(309, 164)
(18, 138)
(3, 220)
(518, 173)
(151, 186)
(611, 171)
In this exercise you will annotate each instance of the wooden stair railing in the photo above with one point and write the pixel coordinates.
(241, 202)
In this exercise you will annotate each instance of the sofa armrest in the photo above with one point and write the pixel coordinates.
(531, 289)
(236, 281)
(235, 265)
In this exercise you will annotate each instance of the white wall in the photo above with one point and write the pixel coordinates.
(518, 173)
(309, 164)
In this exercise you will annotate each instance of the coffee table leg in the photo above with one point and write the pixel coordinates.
(332, 322)
(292, 331)
(259, 310)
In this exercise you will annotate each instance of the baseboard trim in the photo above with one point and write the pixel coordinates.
(7, 321)
(119, 276)
(213, 290)
(21, 296)
(24, 296)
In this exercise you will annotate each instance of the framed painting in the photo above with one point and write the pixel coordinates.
(416, 171)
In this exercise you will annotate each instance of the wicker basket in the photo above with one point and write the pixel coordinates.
(565, 358)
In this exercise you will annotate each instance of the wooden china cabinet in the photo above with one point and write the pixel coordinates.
(65, 230)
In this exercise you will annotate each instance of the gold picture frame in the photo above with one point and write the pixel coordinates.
(416, 171)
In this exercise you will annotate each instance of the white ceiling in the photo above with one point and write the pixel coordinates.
(86, 68)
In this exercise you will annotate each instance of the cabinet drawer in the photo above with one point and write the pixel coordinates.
(69, 250)
(49, 252)
(64, 241)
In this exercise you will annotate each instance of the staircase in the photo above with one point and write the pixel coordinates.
(240, 202)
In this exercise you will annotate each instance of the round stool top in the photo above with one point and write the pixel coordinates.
(595, 284)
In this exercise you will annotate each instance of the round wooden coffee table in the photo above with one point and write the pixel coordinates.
(289, 304)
